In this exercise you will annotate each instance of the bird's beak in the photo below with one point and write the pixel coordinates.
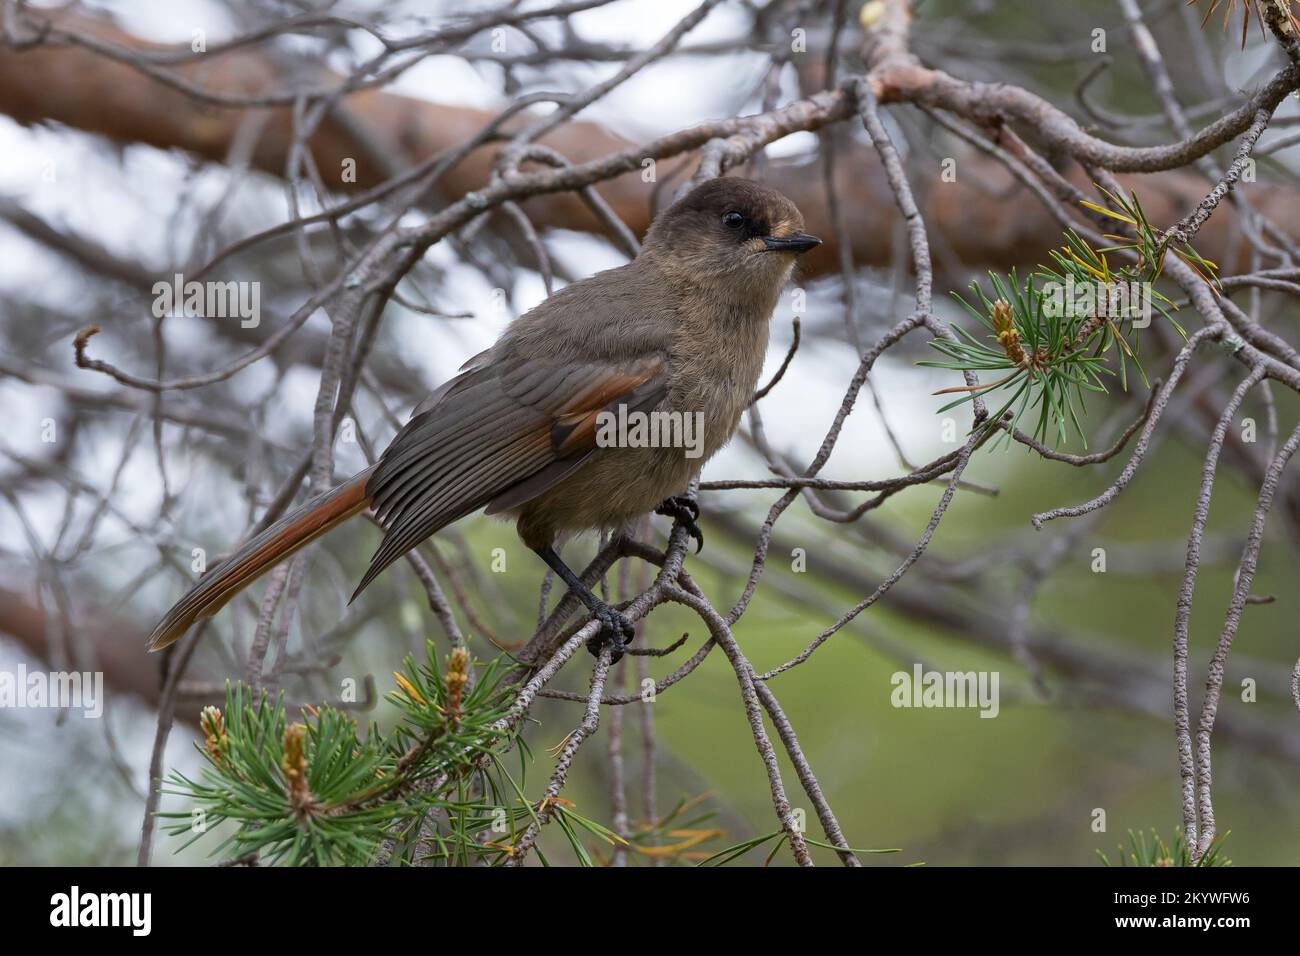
(796, 243)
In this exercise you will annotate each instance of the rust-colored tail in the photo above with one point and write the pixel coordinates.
(258, 556)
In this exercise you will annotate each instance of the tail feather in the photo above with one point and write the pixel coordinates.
(265, 551)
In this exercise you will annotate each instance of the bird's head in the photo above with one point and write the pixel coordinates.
(731, 231)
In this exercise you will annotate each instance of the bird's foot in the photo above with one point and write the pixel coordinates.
(685, 512)
(615, 630)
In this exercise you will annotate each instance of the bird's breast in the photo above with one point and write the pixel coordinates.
(716, 373)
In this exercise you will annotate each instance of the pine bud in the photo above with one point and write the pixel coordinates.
(457, 680)
(215, 741)
(294, 766)
(1008, 336)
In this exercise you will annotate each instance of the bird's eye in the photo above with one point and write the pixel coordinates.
(733, 219)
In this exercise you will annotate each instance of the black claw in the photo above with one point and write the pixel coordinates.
(615, 630)
(685, 512)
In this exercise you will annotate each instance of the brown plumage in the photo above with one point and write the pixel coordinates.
(682, 328)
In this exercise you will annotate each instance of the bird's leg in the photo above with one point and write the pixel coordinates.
(686, 512)
(615, 629)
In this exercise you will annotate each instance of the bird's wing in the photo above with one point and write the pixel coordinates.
(500, 433)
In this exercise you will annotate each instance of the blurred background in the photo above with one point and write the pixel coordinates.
(113, 180)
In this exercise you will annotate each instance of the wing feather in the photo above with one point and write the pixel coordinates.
(499, 434)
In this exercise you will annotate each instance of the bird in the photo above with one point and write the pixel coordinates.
(526, 431)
